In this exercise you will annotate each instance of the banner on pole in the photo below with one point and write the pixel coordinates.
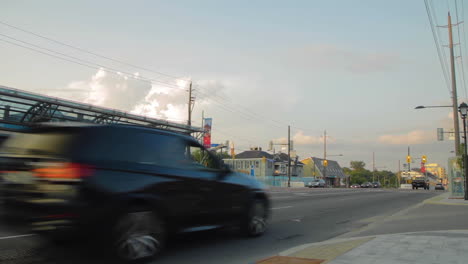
(207, 130)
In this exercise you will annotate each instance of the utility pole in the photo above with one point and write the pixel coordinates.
(190, 105)
(373, 166)
(325, 156)
(399, 174)
(454, 89)
(409, 164)
(289, 156)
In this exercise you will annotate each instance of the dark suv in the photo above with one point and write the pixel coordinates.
(420, 183)
(130, 185)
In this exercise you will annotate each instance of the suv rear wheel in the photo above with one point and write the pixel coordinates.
(138, 235)
(256, 222)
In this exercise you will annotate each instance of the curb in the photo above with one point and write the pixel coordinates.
(323, 243)
(438, 200)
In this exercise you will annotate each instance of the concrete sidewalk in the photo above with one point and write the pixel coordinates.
(425, 247)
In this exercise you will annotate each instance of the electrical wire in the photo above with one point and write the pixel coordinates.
(243, 111)
(440, 54)
(461, 53)
(83, 62)
(88, 51)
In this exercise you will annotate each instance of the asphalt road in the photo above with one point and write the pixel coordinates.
(299, 216)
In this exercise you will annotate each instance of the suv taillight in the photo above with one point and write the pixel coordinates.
(65, 171)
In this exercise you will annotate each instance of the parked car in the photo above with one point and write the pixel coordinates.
(376, 185)
(355, 186)
(131, 186)
(366, 185)
(316, 184)
(439, 186)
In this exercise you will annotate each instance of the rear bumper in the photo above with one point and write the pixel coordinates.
(46, 218)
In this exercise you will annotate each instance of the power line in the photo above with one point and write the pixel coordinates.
(248, 111)
(88, 51)
(82, 62)
(440, 54)
(243, 111)
(461, 53)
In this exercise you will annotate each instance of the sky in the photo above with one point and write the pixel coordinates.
(356, 69)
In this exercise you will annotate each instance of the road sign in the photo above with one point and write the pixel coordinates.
(451, 134)
(440, 134)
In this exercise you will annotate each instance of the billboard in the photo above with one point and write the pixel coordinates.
(207, 130)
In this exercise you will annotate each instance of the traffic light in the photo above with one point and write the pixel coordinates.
(408, 159)
(424, 159)
(325, 163)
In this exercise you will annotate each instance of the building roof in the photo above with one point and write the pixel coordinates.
(333, 169)
(281, 157)
(254, 154)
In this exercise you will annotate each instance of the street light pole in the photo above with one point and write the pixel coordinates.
(463, 109)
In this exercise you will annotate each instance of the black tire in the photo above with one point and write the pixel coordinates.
(255, 222)
(138, 235)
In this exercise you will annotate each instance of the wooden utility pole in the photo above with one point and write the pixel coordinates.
(325, 163)
(454, 89)
(289, 156)
(373, 166)
(399, 174)
(189, 120)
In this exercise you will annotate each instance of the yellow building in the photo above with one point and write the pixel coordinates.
(438, 171)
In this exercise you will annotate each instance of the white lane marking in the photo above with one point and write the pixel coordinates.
(279, 198)
(282, 207)
(9, 237)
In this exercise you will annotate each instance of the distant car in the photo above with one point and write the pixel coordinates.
(416, 184)
(376, 185)
(316, 184)
(439, 186)
(355, 186)
(366, 185)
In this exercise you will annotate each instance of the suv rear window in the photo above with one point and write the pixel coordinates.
(43, 144)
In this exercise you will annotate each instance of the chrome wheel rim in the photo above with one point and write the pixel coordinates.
(257, 223)
(139, 236)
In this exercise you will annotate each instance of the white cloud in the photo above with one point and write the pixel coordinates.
(411, 138)
(128, 93)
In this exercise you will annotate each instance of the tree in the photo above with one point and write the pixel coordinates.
(346, 170)
(223, 155)
(357, 165)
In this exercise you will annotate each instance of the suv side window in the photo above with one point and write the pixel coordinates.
(199, 157)
(133, 147)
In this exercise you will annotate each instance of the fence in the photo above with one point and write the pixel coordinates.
(282, 181)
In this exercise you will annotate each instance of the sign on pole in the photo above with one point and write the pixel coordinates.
(440, 134)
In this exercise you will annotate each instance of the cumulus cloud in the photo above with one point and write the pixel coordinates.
(411, 138)
(301, 139)
(325, 56)
(128, 93)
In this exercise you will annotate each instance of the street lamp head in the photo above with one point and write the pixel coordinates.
(420, 107)
(463, 109)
